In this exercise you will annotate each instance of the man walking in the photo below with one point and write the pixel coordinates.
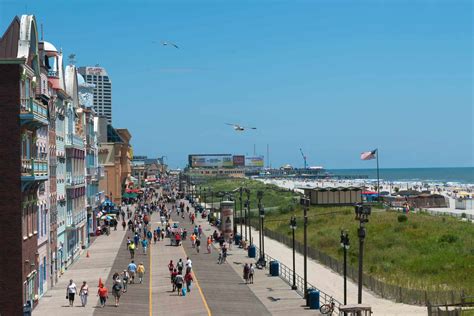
(132, 269)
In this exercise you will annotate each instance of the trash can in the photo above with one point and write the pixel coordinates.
(237, 238)
(252, 251)
(27, 309)
(307, 295)
(274, 268)
(313, 299)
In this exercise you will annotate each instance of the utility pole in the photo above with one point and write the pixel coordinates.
(305, 202)
(259, 197)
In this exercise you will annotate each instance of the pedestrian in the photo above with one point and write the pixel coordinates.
(132, 269)
(199, 231)
(179, 280)
(198, 244)
(141, 272)
(246, 273)
(189, 265)
(103, 294)
(178, 239)
(136, 239)
(224, 254)
(171, 266)
(251, 273)
(155, 237)
(71, 292)
(125, 278)
(117, 291)
(144, 245)
(173, 278)
(188, 278)
(83, 293)
(180, 265)
(131, 248)
(209, 242)
(124, 225)
(193, 240)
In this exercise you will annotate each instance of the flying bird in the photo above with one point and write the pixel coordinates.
(240, 128)
(165, 43)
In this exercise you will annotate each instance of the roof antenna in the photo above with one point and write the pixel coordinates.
(42, 34)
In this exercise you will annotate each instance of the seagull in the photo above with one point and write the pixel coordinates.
(240, 128)
(165, 43)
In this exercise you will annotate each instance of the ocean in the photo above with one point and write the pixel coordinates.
(444, 175)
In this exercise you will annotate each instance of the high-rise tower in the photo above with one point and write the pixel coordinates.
(102, 102)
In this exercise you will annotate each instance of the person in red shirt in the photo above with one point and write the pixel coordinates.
(103, 294)
(188, 278)
(178, 239)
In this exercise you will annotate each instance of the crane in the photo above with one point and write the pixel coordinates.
(304, 157)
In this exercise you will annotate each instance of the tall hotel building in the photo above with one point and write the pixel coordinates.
(102, 91)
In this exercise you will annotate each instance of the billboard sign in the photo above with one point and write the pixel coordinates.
(211, 161)
(254, 162)
(238, 160)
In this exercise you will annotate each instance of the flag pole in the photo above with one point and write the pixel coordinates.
(378, 177)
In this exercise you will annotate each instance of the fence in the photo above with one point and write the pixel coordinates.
(286, 274)
(388, 291)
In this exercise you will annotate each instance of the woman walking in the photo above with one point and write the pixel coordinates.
(141, 272)
(188, 278)
(71, 292)
(117, 291)
(83, 293)
(246, 273)
(103, 294)
(125, 278)
(251, 273)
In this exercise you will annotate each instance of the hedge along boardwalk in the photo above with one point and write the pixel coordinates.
(224, 289)
(166, 302)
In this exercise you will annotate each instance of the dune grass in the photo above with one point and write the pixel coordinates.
(424, 252)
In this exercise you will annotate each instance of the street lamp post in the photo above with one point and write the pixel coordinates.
(293, 228)
(345, 246)
(240, 218)
(362, 214)
(305, 202)
(259, 205)
(248, 216)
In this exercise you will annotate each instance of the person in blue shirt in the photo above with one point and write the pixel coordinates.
(132, 269)
(144, 245)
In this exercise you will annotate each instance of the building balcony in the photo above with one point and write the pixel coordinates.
(33, 112)
(34, 169)
(75, 141)
(74, 181)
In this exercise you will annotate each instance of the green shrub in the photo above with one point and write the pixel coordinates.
(448, 238)
(402, 218)
(463, 215)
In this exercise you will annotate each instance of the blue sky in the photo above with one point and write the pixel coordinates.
(332, 77)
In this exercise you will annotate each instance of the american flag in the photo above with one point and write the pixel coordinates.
(368, 155)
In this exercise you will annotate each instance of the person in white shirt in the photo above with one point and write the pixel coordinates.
(189, 265)
(71, 292)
